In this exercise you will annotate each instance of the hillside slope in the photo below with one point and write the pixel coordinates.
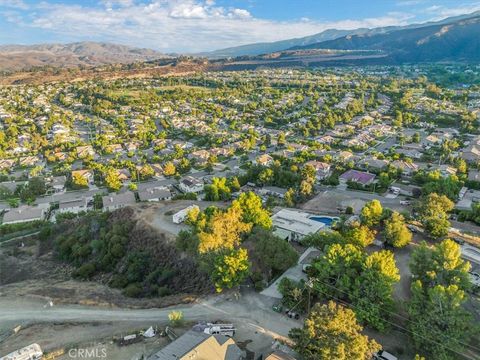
(456, 41)
(21, 57)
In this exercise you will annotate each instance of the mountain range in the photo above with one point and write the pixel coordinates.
(457, 40)
(327, 35)
(23, 57)
(451, 39)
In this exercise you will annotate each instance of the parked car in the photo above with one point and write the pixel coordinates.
(293, 314)
(305, 267)
(405, 202)
(384, 355)
(412, 228)
(458, 241)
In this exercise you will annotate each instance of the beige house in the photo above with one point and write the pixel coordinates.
(200, 346)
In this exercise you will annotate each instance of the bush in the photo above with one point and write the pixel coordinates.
(133, 290)
(175, 317)
(85, 271)
(119, 281)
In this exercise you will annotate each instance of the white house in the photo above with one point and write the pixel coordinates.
(189, 184)
(72, 205)
(155, 194)
(24, 214)
(117, 201)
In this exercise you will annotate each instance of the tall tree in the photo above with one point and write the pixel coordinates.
(253, 212)
(371, 213)
(230, 269)
(332, 332)
(396, 232)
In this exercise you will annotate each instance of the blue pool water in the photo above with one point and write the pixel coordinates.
(328, 221)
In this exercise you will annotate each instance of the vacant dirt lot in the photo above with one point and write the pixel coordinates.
(159, 215)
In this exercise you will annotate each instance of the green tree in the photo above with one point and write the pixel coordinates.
(371, 213)
(439, 325)
(230, 269)
(441, 264)
(224, 230)
(360, 236)
(396, 232)
(433, 214)
(169, 169)
(346, 272)
(253, 212)
(112, 180)
(373, 292)
(274, 253)
(332, 332)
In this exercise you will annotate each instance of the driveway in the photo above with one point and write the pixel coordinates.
(294, 273)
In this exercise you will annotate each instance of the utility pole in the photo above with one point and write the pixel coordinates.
(309, 284)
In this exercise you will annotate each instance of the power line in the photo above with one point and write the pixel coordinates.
(405, 329)
(471, 347)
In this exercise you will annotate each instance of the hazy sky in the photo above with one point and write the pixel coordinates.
(197, 25)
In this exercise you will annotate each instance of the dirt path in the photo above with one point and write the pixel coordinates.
(251, 314)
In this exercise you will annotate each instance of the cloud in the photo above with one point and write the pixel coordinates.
(440, 12)
(176, 25)
(14, 4)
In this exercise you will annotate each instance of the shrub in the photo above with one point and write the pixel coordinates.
(175, 317)
(85, 271)
(133, 290)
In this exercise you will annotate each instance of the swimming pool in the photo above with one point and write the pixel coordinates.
(327, 220)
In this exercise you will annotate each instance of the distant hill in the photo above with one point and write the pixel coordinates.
(456, 40)
(22, 57)
(307, 41)
(270, 47)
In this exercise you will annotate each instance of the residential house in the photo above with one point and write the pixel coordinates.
(273, 191)
(60, 156)
(189, 184)
(84, 173)
(124, 174)
(343, 156)
(72, 205)
(6, 164)
(279, 355)
(293, 225)
(28, 161)
(154, 194)
(114, 149)
(200, 346)
(58, 183)
(411, 153)
(264, 160)
(406, 190)
(474, 175)
(85, 151)
(371, 163)
(200, 156)
(24, 214)
(114, 201)
(408, 168)
(431, 140)
(360, 177)
(157, 170)
(322, 169)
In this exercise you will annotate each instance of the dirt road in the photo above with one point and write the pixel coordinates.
(251, 314)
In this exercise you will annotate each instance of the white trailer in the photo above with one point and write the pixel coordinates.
(180, 216)
(220, 329)
(30, 352)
